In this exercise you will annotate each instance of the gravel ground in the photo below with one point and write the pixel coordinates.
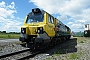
(74, 49)
(10, 47)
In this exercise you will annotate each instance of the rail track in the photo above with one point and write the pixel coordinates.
(29, 55)
(16, 53)
(33, 53)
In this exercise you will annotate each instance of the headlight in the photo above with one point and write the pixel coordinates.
(23, 30)
(40, 30)
(85, 32)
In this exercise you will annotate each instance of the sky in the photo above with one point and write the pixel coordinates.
(73, 13)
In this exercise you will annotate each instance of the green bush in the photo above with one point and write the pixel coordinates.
(4, 35)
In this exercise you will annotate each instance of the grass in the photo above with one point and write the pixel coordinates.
(73, 56)
(81, 41)
(48, 58)
(4, 35)
(0, 48)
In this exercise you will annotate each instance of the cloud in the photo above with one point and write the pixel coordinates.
(70, 23)
(77, 10)
(8, 22)
(2, 4)
(10, 25)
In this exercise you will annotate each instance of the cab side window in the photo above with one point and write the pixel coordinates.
(50, 19)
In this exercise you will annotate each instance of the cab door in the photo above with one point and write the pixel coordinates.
(50, 25)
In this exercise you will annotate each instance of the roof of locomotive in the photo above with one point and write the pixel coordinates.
(40, 11)
(36, 11)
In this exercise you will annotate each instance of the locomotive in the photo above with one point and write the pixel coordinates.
(40, 28)
(87, 30)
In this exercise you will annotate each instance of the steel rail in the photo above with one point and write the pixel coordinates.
(14, 53)
(29, 56)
